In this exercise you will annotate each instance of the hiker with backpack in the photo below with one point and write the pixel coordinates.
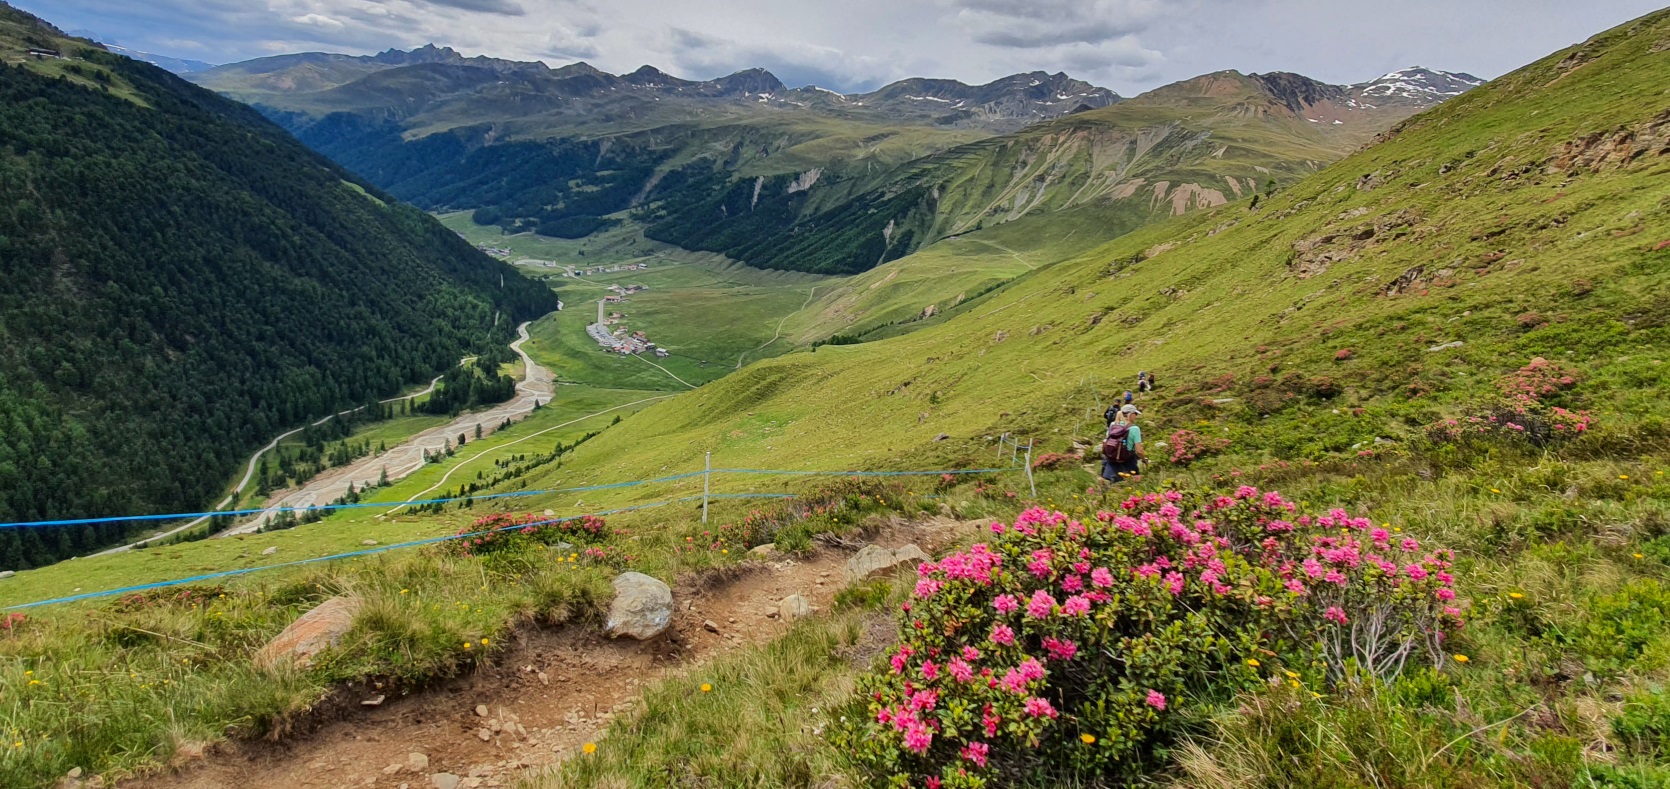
(1122, 447)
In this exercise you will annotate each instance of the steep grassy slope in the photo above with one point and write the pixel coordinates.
(179, 280)
(1473, 216)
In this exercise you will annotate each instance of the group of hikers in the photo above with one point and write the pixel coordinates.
(1122, 449)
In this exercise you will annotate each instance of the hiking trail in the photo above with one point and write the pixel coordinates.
(549, 693)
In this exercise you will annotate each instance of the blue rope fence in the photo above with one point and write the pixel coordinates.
(380, 549)
(704, 497)
(487, 497)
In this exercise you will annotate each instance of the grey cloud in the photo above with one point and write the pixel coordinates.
(504, 7)
(1044, 23)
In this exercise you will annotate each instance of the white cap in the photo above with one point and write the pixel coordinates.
(1129, 409)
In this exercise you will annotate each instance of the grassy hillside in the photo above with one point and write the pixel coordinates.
(182, 281)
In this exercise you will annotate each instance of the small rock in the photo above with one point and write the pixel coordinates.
(709, 626)
(642, 608)
(270, 551)
(1445, 346)
(764, 551)
(8, 573)
(444, 781)
(481, 710)
(417, 761)
(374, 701)
(483, 735)
(495, 725)
(315, 631)
(393, 768)
(544, 678)
(942, 437)
(75, 772)
(368, 542)
(794, 607)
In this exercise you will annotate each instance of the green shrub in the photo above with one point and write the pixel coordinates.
(1644, 723)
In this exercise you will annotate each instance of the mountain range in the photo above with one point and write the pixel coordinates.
(434, 82)
(806, 178)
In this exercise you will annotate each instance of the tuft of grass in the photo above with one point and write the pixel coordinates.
(760, 723)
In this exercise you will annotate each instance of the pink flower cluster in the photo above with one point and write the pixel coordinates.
(1011, 629)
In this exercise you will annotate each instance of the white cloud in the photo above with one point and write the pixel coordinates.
(1128, 45)
(318, 20)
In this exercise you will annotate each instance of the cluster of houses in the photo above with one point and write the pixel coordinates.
(581, 272)
(619, 340)
(498, 252)
(46, 54)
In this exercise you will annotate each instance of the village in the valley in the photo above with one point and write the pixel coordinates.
(610, 330)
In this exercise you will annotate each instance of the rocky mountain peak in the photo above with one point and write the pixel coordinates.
(1417, 85)
(754, 80)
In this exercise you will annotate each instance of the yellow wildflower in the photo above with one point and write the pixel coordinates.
(590, 747)
(1516, 595)
(1252, 662)
(1461, 658)
(1088, 738)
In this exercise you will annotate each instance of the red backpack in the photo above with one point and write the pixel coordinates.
(1114, 449)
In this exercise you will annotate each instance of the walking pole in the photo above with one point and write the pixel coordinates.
(707, 474)
(1029, 479)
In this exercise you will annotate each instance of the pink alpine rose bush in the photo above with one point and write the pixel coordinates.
(1066, 647)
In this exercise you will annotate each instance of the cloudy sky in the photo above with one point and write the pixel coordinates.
(1127, 45)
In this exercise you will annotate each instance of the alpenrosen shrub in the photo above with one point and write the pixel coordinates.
(506, 532)
(1068, 647)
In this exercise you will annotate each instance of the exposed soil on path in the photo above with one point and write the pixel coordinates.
(551, 692)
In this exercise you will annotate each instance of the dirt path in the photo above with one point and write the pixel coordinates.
(640, 357)
(811, 294)
(554, 691)
(497, 449)
(249, 471)
(400, 461)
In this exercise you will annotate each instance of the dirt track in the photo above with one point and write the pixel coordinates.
(400, 461)
(553, 691)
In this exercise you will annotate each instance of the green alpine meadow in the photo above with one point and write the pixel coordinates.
(375, 414)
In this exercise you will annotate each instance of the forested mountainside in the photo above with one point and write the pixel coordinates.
(180, 280)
